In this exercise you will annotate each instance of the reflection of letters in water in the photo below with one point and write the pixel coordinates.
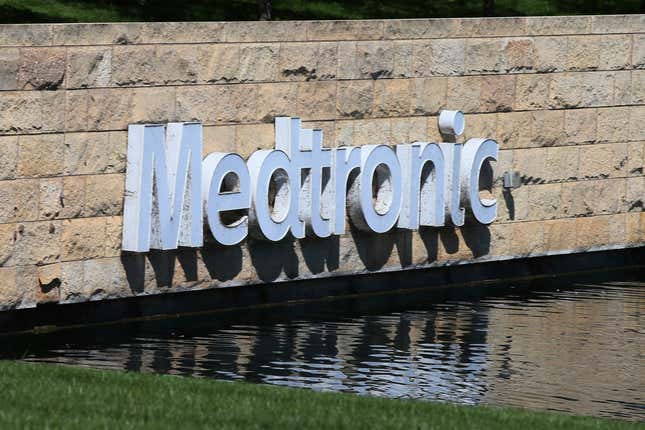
(299, 187)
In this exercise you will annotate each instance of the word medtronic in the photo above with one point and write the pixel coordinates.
(299, 188)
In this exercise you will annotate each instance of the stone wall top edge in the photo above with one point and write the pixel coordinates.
(385, 20)
(57, 34)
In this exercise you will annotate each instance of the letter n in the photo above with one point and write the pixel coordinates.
(163, 208)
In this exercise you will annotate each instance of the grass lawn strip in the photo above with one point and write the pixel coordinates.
(42, 396)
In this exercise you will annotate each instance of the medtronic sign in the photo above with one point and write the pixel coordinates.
(299, 187)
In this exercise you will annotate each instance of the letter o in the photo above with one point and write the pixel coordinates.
(376, 206)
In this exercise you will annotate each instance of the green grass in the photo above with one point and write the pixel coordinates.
(13, 11)
(23, 11)
(42, 396)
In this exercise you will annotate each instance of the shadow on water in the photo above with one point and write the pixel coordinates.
(517, 344)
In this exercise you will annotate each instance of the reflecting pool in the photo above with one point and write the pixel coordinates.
(576, 347)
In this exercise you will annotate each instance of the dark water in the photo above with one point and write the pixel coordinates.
(576, 348)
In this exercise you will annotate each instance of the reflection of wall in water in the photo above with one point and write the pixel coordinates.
(419, 346)
(495, 351)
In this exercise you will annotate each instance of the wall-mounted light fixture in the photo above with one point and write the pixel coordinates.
(512, 179)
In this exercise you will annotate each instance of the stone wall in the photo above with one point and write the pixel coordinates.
(563, 96)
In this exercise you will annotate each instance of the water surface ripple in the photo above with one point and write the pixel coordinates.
(577, 349)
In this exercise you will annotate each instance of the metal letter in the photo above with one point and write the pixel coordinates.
(452, 158)
(287, 140)
(316, 196)
(265, 223)
(346, 159)
(216, 167)
(423, 198)
(162, 208)
(476, 152)
(381, 213)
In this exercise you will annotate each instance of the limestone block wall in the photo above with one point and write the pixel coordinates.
(563, 96)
